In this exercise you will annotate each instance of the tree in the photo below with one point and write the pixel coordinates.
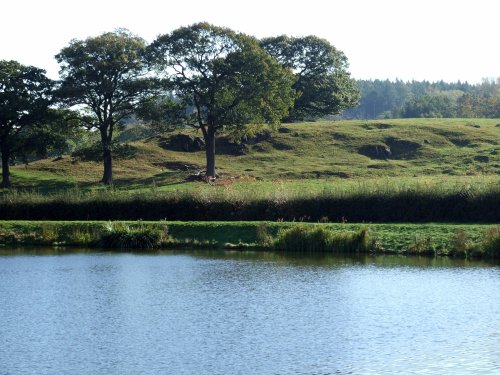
(25, 97)
(57, 135)
(226, 77)
(162, 114)
(107, 77)
(429, 105)
(325, 86)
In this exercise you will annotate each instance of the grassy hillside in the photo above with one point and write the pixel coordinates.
(319, 152)
(357, 171)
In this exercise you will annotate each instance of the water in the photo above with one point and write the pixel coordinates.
(246, 313)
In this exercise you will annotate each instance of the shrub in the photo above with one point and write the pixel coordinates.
(119, 235)
(264, 239)
(94, 152)
(304, 238)
(462, 246)
(48, 233)
(82, 236)
(422, 246)
(491, 242)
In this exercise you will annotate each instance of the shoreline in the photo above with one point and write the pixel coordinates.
(431, 239)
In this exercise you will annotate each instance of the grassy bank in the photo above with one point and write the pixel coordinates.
(379, 200)
(424, 239)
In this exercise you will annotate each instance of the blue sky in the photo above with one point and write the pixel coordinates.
(405, 39)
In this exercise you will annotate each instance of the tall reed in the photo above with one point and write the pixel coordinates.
(319, 239)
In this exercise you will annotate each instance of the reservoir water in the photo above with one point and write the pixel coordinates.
(246, 313)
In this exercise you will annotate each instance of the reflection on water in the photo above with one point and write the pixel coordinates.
(216, 312)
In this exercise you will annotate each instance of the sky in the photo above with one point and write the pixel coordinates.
(430, 40)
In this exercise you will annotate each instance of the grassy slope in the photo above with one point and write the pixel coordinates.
(308, 157)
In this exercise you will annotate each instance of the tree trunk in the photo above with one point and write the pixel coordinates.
(107, 177)
(4, 150)
(210, 152)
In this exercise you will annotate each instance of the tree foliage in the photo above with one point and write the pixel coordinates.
(25, 97)
(107, 78)
(324, 84)
(430, 106)
(386, 99)
(163, 113)
(59, 134)
(226, 78)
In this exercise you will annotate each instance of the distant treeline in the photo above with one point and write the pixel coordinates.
(399, 99)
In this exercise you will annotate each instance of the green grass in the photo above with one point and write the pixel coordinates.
(326, 151)
(419, 239)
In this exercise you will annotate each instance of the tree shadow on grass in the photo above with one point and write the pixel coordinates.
(40, 184)
(54, 184)
(160, 179)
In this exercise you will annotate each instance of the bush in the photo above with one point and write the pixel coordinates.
(460, 244)
(491, 243)
(264, 239)
(94, 152)
(422, 246)
(121, 236)
(304, 238)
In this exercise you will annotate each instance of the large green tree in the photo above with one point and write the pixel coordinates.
(105, 77)
(59, 134)
(25, 97)
(324, 84)
(226, 77)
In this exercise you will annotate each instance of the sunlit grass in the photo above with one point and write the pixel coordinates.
(318, 151)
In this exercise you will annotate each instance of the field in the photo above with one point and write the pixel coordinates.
(317, 154)
(405, 170)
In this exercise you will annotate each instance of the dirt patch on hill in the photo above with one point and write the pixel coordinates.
(402, 148)
(182, 142)
(377, 126)
(380, 151)
(392, 148)
(177, 166)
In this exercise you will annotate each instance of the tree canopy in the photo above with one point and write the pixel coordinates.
(107, 78)
(388, 99)
(25, 97)
(228, 80)
(324, 84)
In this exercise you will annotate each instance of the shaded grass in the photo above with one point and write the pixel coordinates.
(382, 200)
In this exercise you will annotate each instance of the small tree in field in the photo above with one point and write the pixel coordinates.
(226, 77)
(106, 78)
(25, 96)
